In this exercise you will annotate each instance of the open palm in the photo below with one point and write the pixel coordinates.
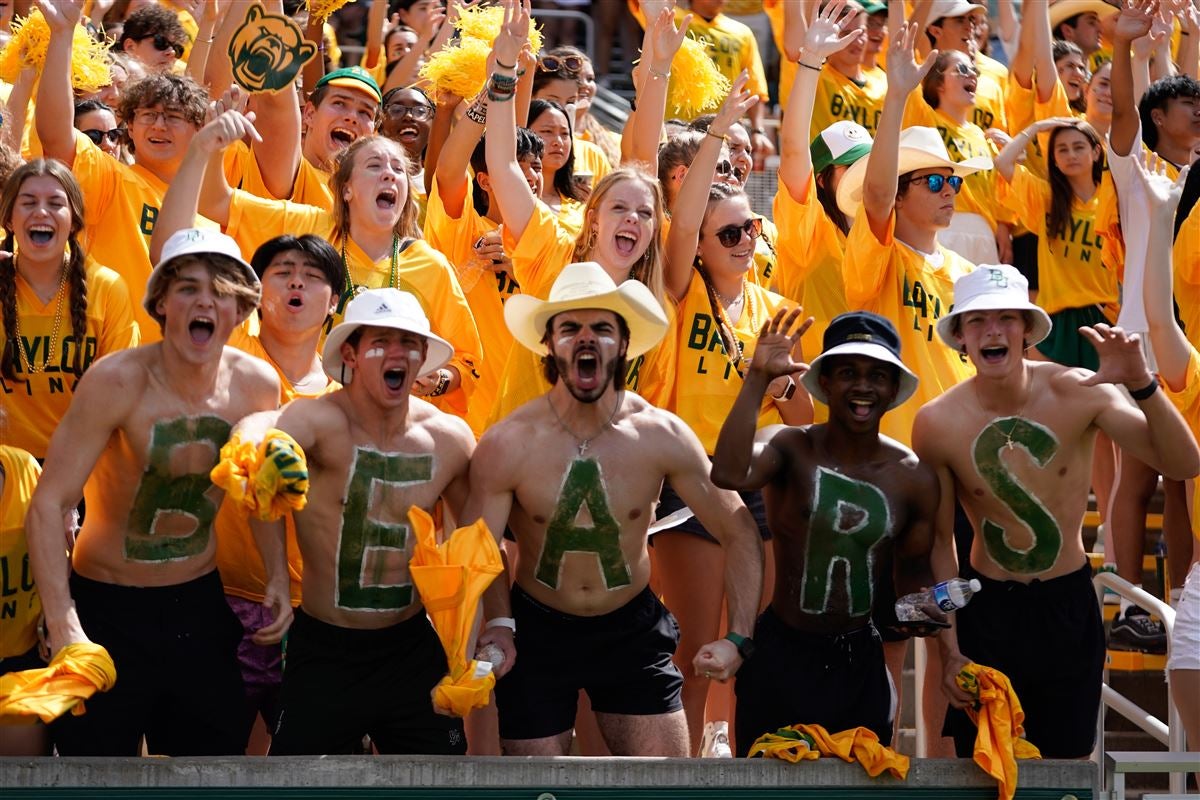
(773, 350)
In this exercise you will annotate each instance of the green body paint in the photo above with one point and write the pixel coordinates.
(583, 485)
(362, 536)
(162, 494)
(1039, 442)
(849, 519)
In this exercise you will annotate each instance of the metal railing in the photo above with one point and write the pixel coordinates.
(1169, 734)
(589, 27)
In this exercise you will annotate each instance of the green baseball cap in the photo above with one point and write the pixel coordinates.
(353, 78)
(843, 142)
(873, 6)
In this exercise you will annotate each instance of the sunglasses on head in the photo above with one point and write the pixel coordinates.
(98, 136)
(730, 235)
(935, 182)
(571, 64)
(162, 43)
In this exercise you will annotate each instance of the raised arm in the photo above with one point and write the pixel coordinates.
(1133, 22)
(818, 41)
(1037, 19)
(1006, 162)
(1189, 42)
(432, 36)
(512, 193)
(202, 48)
(692, 199)
(17, 111)
(455, 156)
(218, 69)
(660, 43)
(54, 113)
(882, 178)
(376, 23)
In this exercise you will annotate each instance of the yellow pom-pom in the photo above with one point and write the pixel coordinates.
(323, 9)
(484, 24)
(697, 86)
(461, 69)
(27, 48)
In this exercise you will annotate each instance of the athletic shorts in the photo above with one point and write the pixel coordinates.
(178, 683)
(669, 502)
(340, 684)
(836, 681)
(1048, 638)
(1185, 633)
(261, 664)
(1025, 258)
(622, 659)
(30, 659)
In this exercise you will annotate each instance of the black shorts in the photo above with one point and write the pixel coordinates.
(1048, 638)
(340, 684)
(621, 659)
(835, 681)
(30, 659)
(669, 502)
(178, 682)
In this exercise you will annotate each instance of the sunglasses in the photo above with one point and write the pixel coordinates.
(725, 168)
(401, 110)
(571, 64)
(161, 43)
(965, 70)
(730, 235)
(935, 182)
(98, 136)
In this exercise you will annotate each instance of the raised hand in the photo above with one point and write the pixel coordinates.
(904, 73)
(736, 104)
(61, 15)
(1134, 20)
(666, 39)
(773, 351)
(228, 122)
(823, 37)
(514, 32)
(1121, 356)
(1163, 192)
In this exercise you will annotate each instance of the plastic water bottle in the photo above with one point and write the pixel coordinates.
(491, 655)
(947, 595)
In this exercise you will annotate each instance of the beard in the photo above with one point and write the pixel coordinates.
(605, 376)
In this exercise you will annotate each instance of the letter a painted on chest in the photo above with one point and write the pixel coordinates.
(584, 486)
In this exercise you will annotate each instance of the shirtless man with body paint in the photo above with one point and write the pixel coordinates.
(844, 504)
(576, 473)
(145, 429)
(362, 656)
(1014, 444)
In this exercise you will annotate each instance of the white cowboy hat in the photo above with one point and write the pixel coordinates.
(861, 333)
(920, 148)
(586, 285)
(383, 308)
(994, 287)
(1065, 9)
(196, 242)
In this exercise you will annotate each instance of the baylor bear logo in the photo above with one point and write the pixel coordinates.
(268, 51)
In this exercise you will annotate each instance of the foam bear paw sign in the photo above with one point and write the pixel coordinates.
(268, 51)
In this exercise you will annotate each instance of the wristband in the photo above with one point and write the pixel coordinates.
(808, 66)
(442, 384)
(715, 135)
(477, 112)
(759, 131)
(659, 74)
(505, 66)
(1146, 391)
(501, 622)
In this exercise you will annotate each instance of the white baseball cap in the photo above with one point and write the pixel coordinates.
(843, 142)
(953, 8)
(384, 308)
(196, 242)
(994, 287)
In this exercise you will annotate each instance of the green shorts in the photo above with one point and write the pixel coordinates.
(1065, 345)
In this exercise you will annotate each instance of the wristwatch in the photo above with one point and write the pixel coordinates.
(744, 645)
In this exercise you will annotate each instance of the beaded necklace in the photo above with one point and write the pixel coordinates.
(748, 307)
(353, 289)
(61, 293)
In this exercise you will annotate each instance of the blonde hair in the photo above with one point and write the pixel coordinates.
(650, 267)
(406, 226)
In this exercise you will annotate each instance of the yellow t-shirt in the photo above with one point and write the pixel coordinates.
(989, 94)
(20, 606)
(311, 187)
(787, 68)
(839, 97)
(1071, 273)
(35, 406)
(1186, 261)
(1023, 109)
(590, 160)
(810, 265)
(706, 379)
(1099, 58)
(420, 269)
(123, 203)
(732, 47)
(913, 290)
(766, 255)
(1188, 403)
(238, 559)
(978, 195)
(486, 292)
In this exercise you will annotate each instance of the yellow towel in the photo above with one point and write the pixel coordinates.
(807, 742)
(998, 715)
(268, 480)
(75, 674)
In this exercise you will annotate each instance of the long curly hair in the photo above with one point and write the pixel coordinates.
(75, 266)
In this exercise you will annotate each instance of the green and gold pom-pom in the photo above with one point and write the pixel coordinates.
(697, 86)
(27, 48)
(323, 9)
(484, 24)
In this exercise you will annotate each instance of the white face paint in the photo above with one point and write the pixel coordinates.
(607, 340)
(414, 355)
(374, 352)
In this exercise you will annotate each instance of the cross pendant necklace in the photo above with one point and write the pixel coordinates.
(582, 444)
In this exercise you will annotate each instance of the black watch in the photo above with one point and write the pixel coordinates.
(744, 644)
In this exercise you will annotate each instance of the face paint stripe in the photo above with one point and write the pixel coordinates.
(584, 484)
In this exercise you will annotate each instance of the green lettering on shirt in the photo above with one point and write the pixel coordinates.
(149, 218)
(1040, 443)
(584, 485)
(367, 542)
(162, 495)
(848, 520)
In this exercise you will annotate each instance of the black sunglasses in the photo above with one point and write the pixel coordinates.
(725, 168)
(935, 182)
(730, 235)
(571, 64)
(161, 43)
(98, 136)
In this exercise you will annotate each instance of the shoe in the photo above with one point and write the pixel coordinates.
(715, 742)
(1136, 630)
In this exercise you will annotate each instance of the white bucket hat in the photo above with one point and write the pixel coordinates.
(993, 287)
(920, 148)
(586, 285)
(196, 242)
(953, 8)
(383, 308)
(1065, 9)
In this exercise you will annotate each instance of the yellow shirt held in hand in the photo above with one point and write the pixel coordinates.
(420, 270)
(20, 606)
(707, 377)
(1071, 273)
(37, 402)
(913, 290)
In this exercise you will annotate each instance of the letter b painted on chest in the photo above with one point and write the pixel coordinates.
(849, 519)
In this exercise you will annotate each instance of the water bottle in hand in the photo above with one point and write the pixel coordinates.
(947, 595)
